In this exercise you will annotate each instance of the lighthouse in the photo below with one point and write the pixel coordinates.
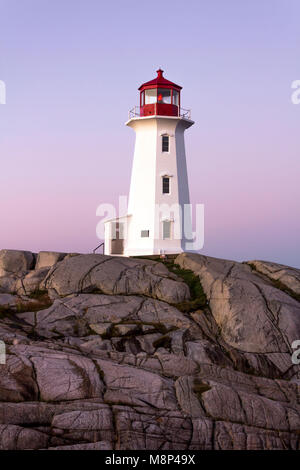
(158, 219)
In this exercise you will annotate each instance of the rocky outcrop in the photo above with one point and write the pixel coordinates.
(114, 353)
(285, 277)
(251, 313)
(46, 259)
(15, 262)
(113, 275)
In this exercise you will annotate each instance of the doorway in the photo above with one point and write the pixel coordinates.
(117, 241)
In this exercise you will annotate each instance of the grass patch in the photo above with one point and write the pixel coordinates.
(198, 298)
(22, 307)
(39, 301)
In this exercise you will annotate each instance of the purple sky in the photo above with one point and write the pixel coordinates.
(72, 69)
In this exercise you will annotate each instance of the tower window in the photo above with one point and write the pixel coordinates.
(166, 229)
(165, 143)
(144, 233)
(166, 185)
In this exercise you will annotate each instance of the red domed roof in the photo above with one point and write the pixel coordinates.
(160, 81)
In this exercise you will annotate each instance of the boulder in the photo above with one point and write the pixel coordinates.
(8, 284)
(132, 386)
(8, 300)
(113, 364)
(31, 282)
(66, 377)
(233, 436)
(18, 438)
(46, 259)
(111, 316)
(285, 276)
(206, 352)
(15, 262)
(143, 429)
(115, 275)
(17, 380)
(246, 308)
(92, 420)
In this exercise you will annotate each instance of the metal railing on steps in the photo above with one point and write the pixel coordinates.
(97, 248)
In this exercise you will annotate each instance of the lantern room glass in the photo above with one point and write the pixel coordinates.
(175, 98)
(164, 95)
(150, 96)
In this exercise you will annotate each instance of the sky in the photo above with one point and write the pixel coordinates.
(72, 69)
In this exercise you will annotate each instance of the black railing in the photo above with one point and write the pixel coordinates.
(99, 246)
(136, 112)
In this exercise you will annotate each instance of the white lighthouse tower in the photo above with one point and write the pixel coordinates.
(158, 219)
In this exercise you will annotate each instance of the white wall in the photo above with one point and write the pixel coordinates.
(141, 203)
(149, 165)
(172, 164)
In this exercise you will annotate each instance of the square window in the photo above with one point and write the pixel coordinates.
(144, 233)
(166, 185)
(165, 143)
(166, 229)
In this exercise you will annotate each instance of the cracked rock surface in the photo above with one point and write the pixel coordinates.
(101, 355)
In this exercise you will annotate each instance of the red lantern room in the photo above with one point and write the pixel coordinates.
(160, 97)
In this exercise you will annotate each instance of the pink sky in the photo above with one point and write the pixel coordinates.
(72, 70)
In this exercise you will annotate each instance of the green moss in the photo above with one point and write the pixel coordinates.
(32, 306)
(22, 307)
(39, 301)
(198, 298)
